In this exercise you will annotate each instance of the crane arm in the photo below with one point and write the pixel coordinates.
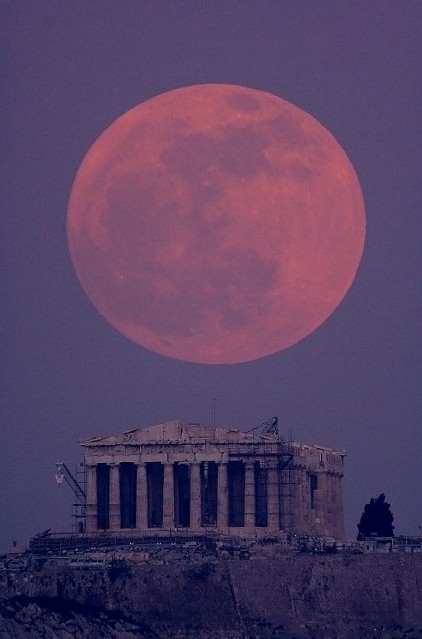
(64, 473)
(270, 427)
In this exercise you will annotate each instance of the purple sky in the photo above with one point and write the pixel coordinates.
(69, 69)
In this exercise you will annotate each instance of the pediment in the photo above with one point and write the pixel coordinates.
(174, 432)
(171, 431)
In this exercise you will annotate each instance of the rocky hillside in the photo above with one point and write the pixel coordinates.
(287, 597)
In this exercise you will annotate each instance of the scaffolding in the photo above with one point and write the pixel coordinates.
(286, 488)
(77, 483)
(273, 477)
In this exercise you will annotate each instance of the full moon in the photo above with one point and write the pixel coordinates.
(216, 224)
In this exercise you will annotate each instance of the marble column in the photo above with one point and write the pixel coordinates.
(249, 496)
(320, 501)
(339, 507)
(195, 497)
(141, 497)
(91, 499)
(300, 503)
(168, 497)
(330, 503)
(273, 497)
(222, 498)
(114, 497)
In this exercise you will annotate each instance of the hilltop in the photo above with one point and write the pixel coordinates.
(270, 594)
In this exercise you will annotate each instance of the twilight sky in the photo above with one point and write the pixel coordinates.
(69, 69)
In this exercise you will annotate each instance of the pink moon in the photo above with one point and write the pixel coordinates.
(216, 224)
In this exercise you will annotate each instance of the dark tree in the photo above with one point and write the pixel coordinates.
(377, 519)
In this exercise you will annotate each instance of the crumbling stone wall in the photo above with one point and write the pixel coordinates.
(290, 597)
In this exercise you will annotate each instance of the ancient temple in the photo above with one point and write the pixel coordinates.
(201, 479)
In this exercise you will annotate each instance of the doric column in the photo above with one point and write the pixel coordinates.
(320, 501)
(300, 500)
(141, 497)
(195, 496)
(273, 497)
(249, 495)
(114, 498)
(168, 497)
(339, 507)
(330, 504)
(91, 499)
(222, 498)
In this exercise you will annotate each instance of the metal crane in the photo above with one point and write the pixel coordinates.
(77, 488)
(62, 472)
(270, 427)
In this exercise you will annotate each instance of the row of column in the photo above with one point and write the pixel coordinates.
(244, 488)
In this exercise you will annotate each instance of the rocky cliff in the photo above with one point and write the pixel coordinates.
(288, 597)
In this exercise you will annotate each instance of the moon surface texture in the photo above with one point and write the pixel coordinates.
(216, 224)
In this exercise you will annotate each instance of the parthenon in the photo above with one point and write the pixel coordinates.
(202, 479)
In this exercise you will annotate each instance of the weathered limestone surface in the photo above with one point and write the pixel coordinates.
(292, 597)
